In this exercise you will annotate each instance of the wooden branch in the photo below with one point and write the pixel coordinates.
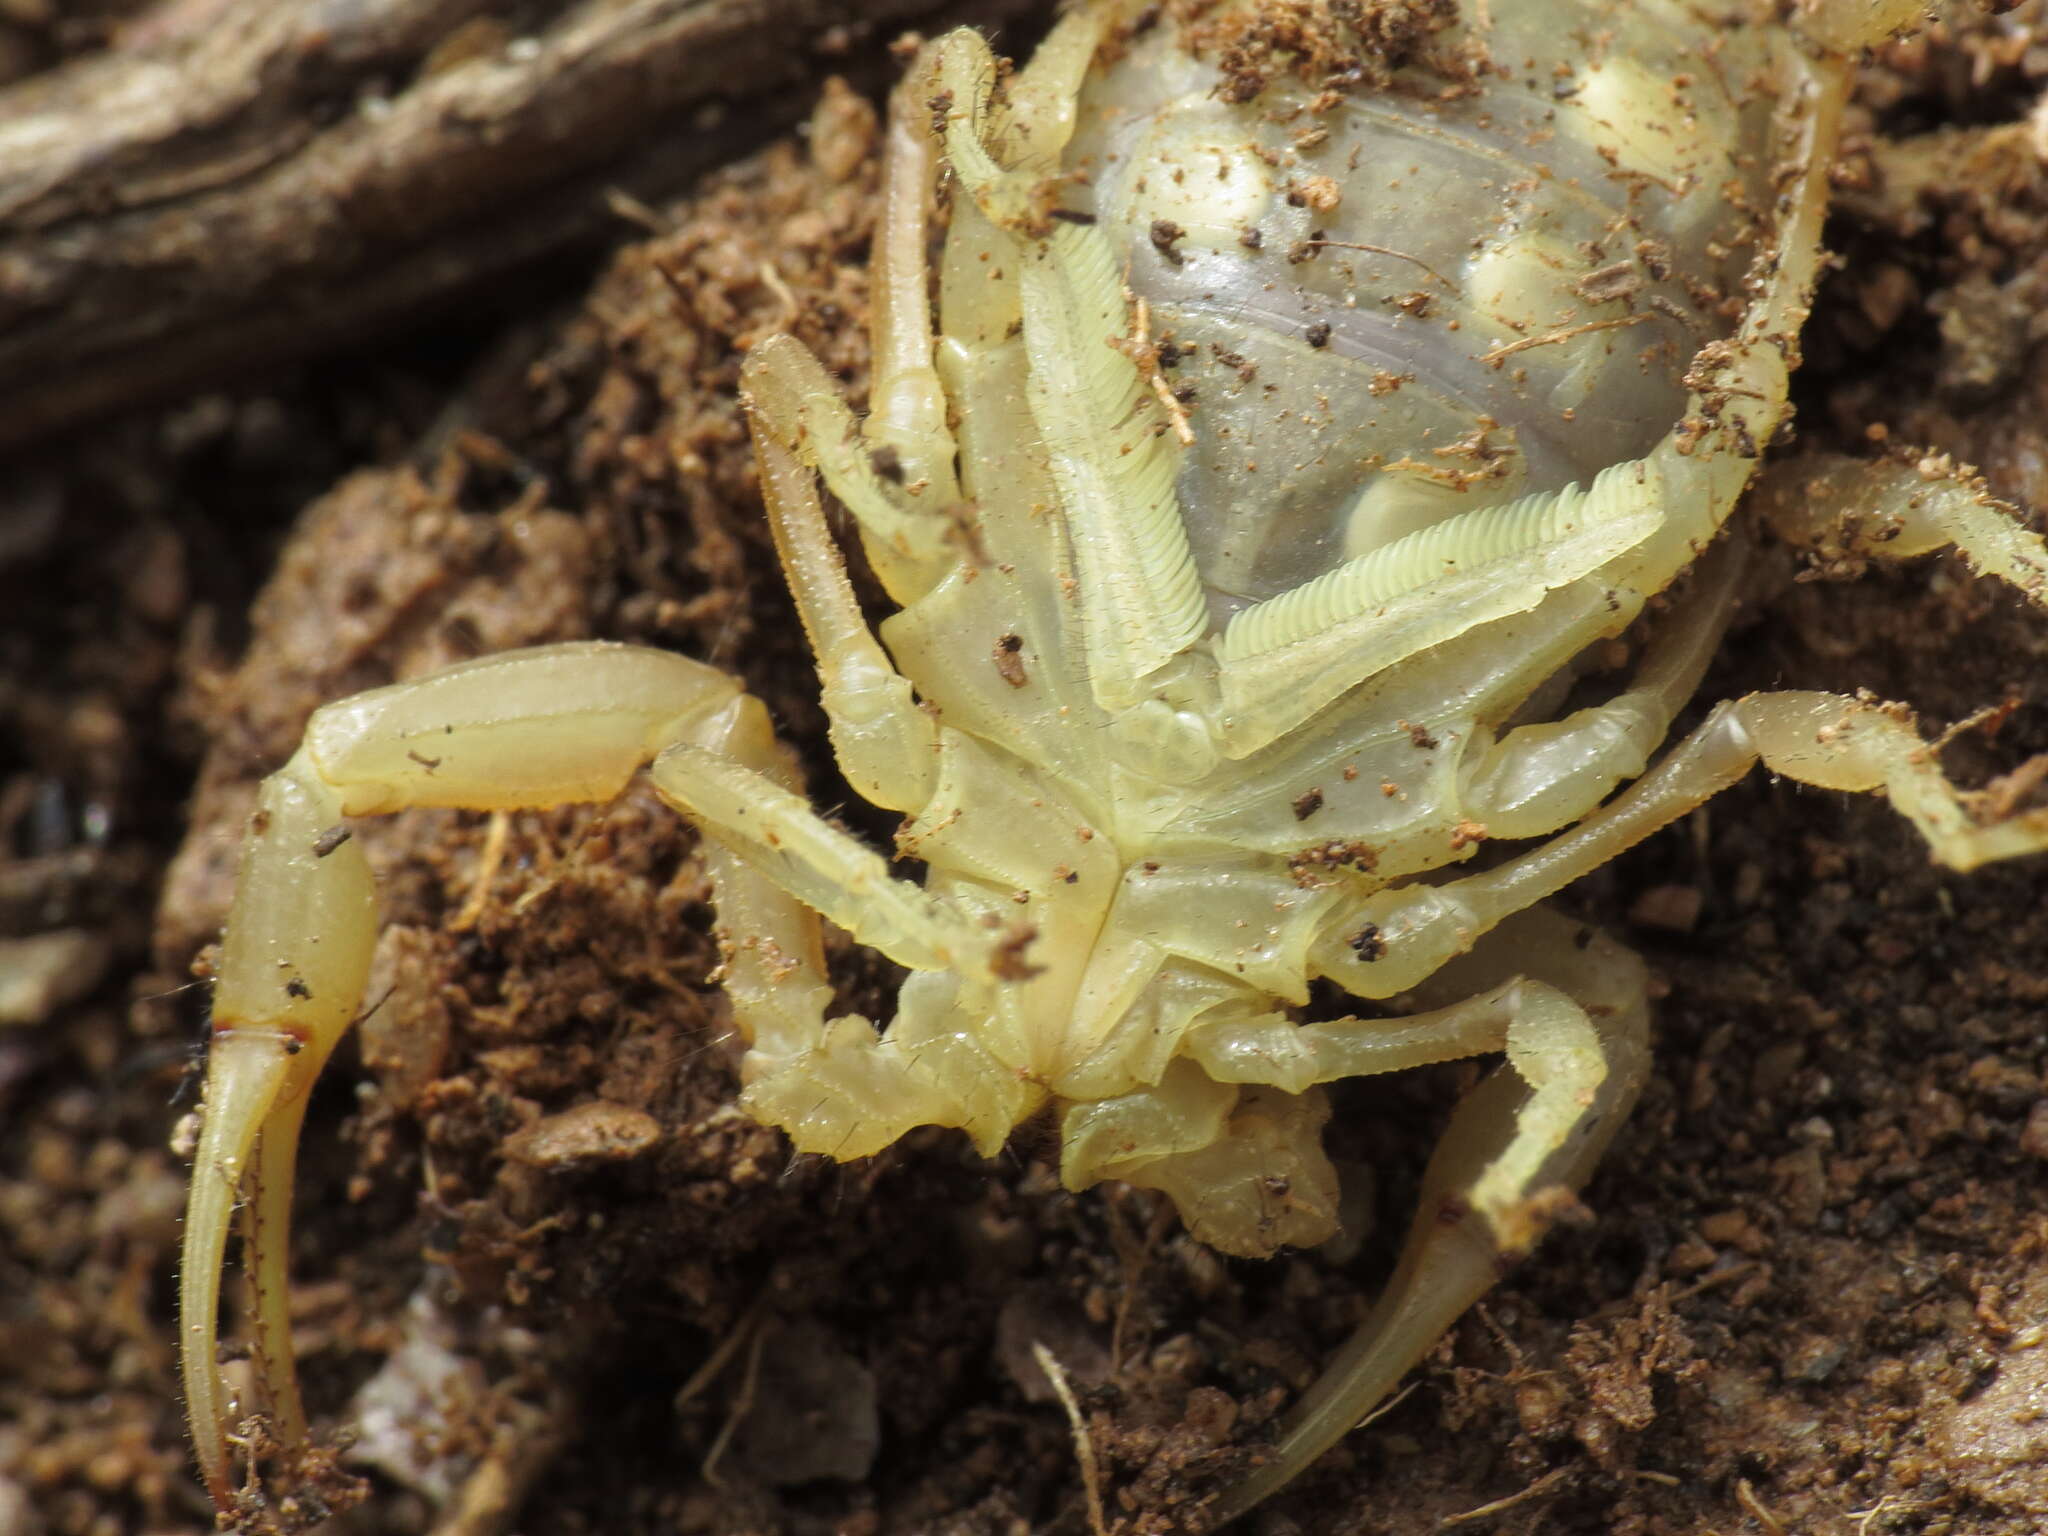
(243, 182)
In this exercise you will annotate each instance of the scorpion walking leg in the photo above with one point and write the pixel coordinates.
(835, 1085)
(1851, 507)
(1574, 1023)
(1541, 777)
(1138, 596)
(883, 741)
(895, 470)
(1044, 96)
(1392, 940)
(775, 831)
(529, 728)
(841, 1087)
(906, 403)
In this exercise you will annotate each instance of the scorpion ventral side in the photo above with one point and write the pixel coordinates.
(1311, 388)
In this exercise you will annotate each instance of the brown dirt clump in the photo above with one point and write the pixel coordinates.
(559, 1284)
(1336, 46)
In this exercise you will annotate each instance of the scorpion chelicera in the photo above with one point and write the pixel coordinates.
(1303, 391)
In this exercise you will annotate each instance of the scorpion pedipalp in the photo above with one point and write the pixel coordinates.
(1196, 689)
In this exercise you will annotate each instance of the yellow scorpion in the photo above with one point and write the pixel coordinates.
(1291, 409)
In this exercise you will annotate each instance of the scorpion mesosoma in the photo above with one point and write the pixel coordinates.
(1301, 405)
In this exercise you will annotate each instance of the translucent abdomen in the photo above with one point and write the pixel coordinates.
(1391, 294)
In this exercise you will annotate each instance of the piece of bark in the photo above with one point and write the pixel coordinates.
(241, 182)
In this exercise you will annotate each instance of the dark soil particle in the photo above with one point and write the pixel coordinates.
(1809, 1294)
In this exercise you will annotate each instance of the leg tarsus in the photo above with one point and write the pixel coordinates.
(1842, 743)
(1044, 95)
(1139, 598)
(1846, 510)
(791, 400)
(906, 402)
(882, 740)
